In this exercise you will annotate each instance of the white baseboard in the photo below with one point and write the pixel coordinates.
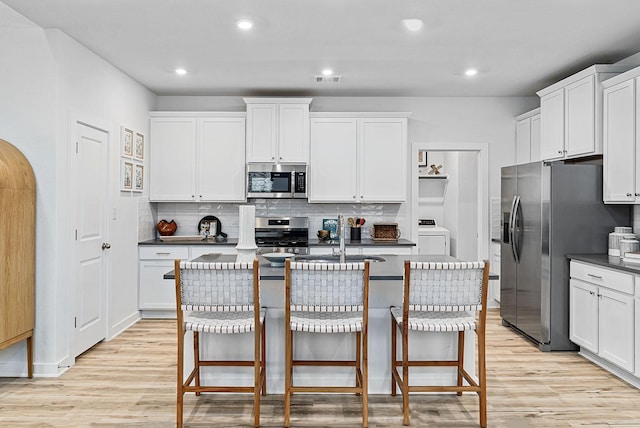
(121, 326)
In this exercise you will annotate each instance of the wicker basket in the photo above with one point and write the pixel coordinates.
(385, 232)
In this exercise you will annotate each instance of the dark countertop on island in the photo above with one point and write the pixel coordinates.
(313, 242)
(390, 270)
(607, 261)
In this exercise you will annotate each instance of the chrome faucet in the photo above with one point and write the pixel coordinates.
(341, 233)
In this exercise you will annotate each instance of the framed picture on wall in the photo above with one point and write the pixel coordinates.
(126, 141)
(422, 158)
(138, 177)
(126, 175)
(139, 146)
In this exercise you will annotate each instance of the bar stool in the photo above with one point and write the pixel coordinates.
(327, 298)
(220, 298)
(441, 297)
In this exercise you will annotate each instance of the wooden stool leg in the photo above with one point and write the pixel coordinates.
(405, 375)
(365, 378)
(196, 358)
(482, 378)
(393, 356)
(288, 371)
(30, 357)
(358, 366)
(460, 359)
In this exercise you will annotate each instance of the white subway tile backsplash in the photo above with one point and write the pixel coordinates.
(187, 215)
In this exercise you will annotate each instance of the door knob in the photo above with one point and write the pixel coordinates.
(106, 245)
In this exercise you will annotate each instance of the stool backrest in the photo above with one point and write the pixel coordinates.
(453, 286)
(217, 287)
(326, 287)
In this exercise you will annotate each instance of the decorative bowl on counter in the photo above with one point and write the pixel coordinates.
(167, 228)
(277, 259)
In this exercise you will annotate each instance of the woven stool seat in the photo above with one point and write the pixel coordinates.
(436, 321)
(326, 322)
(222, 322)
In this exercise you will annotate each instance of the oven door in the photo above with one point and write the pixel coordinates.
(269, 184)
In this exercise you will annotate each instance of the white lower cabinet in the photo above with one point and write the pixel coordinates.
(156, 293)
(602, 313)
(494, 267)
(157, 296)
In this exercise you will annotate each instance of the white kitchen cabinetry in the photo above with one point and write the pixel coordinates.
(621, 180)
(156, 293)
(571, 114)
(278, 130)
(197, 157)
(157, 296)
(172, 150)
(528, 137)
(602, 313)
(358, 159)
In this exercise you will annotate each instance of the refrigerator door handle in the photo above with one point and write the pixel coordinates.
(512, 227)
(515, 243)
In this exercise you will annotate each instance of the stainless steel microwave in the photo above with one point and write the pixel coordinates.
(276, 181)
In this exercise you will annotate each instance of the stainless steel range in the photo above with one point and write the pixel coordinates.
(282, 235)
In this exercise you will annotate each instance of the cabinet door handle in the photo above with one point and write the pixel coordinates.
(560, 151)
(637, 194)
(629, 194)
(594, 276)
(106, 245)
(592, 293)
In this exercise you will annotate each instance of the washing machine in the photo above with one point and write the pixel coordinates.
(433, 239)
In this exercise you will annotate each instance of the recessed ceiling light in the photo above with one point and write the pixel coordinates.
(412, 24)
(181, 71)
(471, 72)
(327, 72)
(244, 24)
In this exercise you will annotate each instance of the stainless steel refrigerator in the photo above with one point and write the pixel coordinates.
(549, 210)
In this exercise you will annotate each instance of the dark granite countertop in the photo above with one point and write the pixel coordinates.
(390, 270)
(607, 261)
(209, 241)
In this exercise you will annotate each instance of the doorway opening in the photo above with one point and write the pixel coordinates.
(457, 197)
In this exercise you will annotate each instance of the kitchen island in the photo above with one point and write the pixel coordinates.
(385, 290)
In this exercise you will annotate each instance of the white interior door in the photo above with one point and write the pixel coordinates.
(90, 273)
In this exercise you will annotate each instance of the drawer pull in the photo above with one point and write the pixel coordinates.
(162, 254)
(594, 276)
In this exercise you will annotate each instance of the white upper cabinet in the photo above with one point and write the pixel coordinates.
(172, 149)
(333, 160)
(571, 114)
(358, 159)
(528, 137)
(621, 180)
(277, 130)
(197, 157)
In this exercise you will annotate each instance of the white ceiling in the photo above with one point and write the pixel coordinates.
(518, 46)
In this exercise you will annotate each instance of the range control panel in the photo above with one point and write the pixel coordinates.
(428, 222)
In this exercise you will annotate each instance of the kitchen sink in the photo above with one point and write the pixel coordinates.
(328, 258)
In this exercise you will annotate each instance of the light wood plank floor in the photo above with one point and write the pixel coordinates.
(129, 381)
